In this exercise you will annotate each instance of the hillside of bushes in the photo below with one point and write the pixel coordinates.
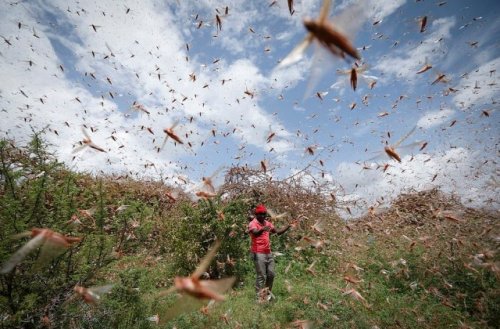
(425, 262)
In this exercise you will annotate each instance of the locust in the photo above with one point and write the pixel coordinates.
(326, 34)
(194, 287)
(51, 242)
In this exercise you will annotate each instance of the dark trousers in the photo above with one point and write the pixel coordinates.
(264, 266)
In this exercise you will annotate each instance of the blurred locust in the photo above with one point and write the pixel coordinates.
(87, 142)
(92, 295)
(326, 34)
(391, 150)
(193, 289)
(52, 244)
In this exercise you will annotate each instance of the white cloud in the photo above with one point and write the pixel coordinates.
(382, 9)
(435, 118)
(412, 58)
(478, 87)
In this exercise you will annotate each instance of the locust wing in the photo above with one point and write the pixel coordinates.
(205, 262)
(404, 137)
(19, 255)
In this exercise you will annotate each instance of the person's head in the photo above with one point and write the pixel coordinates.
(261, 213)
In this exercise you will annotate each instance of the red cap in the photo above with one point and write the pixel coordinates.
(260, 209)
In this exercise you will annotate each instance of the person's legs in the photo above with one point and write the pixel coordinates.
(270, 271)
(260, 269)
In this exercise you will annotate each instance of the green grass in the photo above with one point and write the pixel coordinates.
(389, 309)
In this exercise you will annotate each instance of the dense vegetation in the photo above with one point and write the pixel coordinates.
(427, 262)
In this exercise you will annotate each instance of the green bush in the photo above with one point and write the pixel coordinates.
(190, 237)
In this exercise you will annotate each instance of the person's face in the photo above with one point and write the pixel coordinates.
(261, 217)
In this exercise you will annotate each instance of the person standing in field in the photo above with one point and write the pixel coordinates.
(259, 229)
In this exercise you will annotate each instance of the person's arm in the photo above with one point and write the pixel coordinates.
(281, 230)
(258, 232)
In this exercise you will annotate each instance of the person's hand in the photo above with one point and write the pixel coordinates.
(266, 228)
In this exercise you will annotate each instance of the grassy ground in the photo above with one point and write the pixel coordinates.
(321, 301)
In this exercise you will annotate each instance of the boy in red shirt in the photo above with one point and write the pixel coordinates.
(259, 229)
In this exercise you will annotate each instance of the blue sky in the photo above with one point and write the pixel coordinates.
(138, 52)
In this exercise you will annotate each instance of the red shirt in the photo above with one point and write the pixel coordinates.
(260, 243)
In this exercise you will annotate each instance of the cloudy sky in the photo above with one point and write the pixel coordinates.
(124, 71)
